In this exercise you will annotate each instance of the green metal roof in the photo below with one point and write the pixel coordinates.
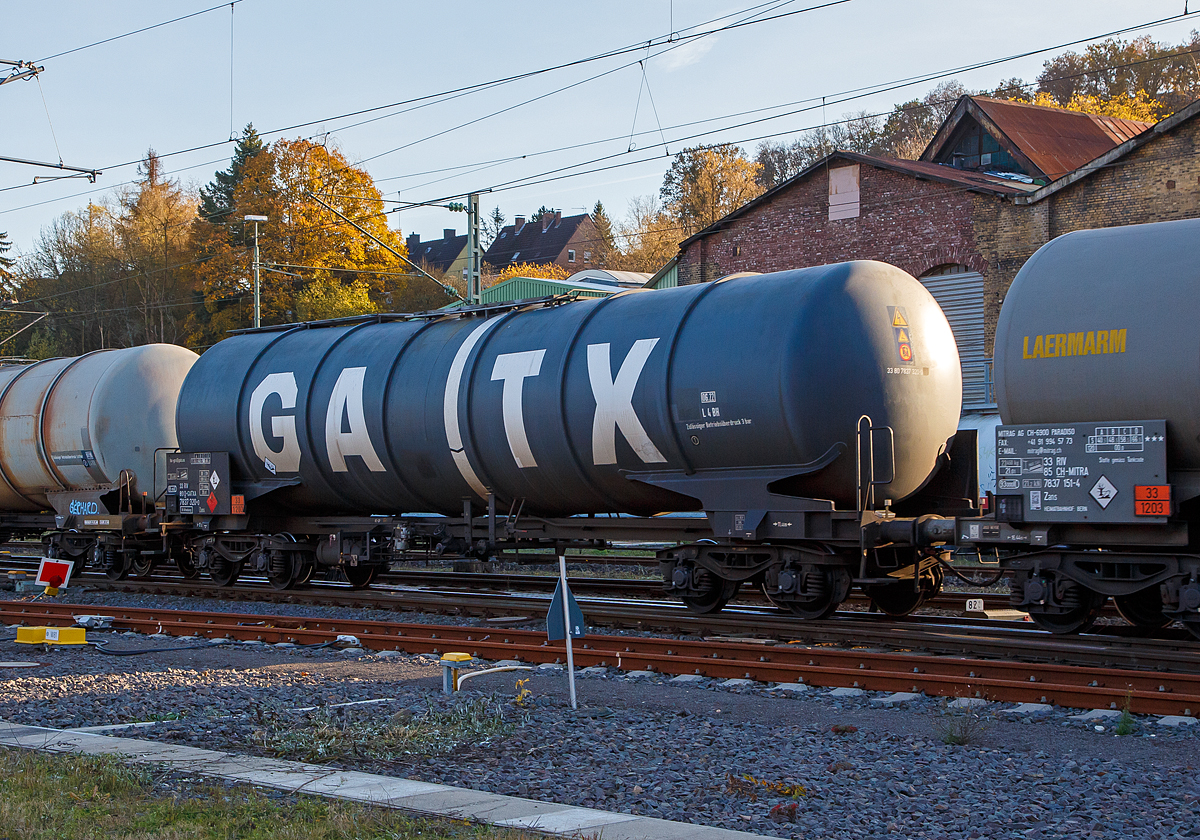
(520, 288)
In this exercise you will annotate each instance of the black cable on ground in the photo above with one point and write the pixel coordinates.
(103, 648)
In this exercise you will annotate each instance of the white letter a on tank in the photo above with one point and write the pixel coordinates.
(347, 397)
(614, 403)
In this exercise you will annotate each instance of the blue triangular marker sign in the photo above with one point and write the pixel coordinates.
(554, 618)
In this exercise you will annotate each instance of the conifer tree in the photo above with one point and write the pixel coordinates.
(216, 199)
(603, 225)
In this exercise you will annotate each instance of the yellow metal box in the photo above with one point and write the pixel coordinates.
(52, 635)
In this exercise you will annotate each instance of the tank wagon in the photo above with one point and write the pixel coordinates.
(1098, 461)
(796, 427)
(752, 402)
(79, 439)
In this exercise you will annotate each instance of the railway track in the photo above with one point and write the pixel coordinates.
(1076, 686)
(1111, 646)
(511, 582)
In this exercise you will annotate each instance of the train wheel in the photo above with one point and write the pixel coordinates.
(814, 609)
(360, 577)
(1081, 608)
(282, 569)
(141, 566)
(115, 566)
(1143, 608)
(223, 572)
(819, 592)
(900, 599)
(187, 566)
(896, 599)
(715, 593)
(306, 570)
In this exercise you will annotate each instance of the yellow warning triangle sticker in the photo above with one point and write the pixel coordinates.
(902, 337)
(899, 321)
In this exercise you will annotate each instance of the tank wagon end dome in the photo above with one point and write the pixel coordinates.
(1104, 325)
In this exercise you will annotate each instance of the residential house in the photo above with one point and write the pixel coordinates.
(570, 242)
(447, 255)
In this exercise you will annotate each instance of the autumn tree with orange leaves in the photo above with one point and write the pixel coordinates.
(310, 253)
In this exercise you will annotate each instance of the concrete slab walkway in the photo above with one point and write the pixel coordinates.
(387, 791)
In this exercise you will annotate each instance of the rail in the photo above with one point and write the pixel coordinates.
(1068, 685)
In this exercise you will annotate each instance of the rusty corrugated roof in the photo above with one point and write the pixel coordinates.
(980, 181)
(1057, 141)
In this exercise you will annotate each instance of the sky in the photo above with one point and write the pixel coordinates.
(597, 130)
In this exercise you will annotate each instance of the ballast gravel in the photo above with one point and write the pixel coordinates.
(696, 751)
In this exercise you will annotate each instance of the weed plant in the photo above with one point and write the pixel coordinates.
(339, 734)
(1126, 723)
(961, 726)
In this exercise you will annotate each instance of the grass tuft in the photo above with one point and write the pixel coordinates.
(339, 734)
(961, 726)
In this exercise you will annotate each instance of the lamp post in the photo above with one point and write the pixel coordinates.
(256, 220)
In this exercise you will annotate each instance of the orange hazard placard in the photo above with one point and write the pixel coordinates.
(1152, 492)
(1143, 507)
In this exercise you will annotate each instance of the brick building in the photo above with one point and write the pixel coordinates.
(959, 219)
(567, 241)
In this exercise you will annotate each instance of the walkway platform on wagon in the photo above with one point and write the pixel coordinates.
(385, 791)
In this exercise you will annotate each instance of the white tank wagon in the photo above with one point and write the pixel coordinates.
(71, 428)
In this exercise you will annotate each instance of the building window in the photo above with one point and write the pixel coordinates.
(946, 268)
(570, 255)
(843, 192)
(587, 256)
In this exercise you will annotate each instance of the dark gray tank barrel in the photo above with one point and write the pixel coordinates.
(562, 406)
(1105, 325)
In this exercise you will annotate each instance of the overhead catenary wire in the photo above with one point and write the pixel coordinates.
(49, 121)
(139, 31)
(848, 95)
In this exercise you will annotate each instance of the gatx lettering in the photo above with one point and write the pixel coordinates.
(342, 439)
(287, 457)
(614, 403)
(347, 401)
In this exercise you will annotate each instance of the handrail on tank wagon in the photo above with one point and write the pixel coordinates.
(485, 309)
(865, 492)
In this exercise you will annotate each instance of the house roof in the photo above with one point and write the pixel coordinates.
(604, 276)
(922, 170)
(439, 254)
(1049, 142)
(533, 244)
(1155, 131)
